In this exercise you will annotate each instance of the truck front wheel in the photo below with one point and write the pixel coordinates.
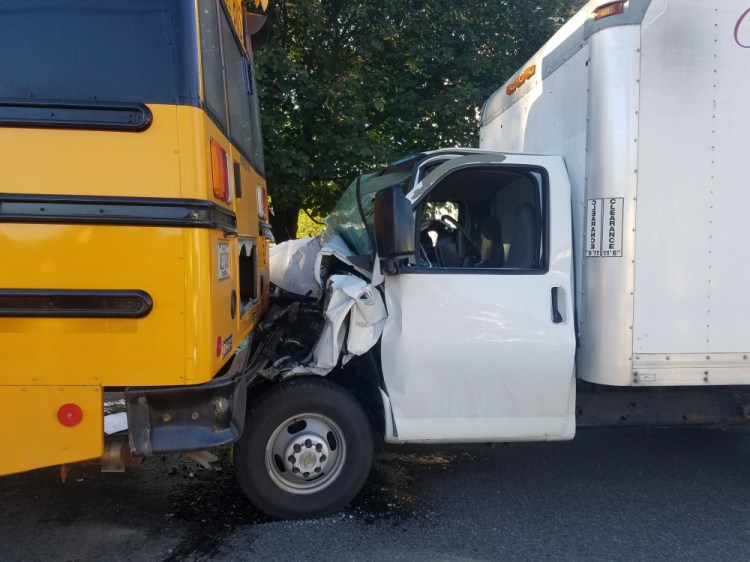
(306, 450)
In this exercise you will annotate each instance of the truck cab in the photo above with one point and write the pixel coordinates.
(479, 341)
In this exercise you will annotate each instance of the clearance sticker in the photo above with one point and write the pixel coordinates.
(604, 227)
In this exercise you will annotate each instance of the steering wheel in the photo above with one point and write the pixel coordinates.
(472, 249)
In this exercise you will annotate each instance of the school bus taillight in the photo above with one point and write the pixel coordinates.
(221, 172)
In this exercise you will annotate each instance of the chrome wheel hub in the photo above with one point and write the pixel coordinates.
(305, 454)
(307, 457)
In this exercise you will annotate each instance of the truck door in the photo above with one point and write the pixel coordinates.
(479, 343)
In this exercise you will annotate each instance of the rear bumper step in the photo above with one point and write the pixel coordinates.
(188, 418)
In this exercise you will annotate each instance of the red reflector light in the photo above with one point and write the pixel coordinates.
(219, 171)
(69, 415)
(218, 346)
(611, 9)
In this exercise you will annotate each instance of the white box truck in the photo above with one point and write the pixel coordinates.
(588, 265)
(649, 109)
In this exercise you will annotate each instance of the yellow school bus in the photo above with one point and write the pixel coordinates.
(133, 224)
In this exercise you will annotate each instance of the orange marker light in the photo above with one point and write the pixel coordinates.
(520, 80)
(220, 171)
(69, 415)
(611, 9)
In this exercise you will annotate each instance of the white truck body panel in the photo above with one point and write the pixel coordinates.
(649, 111)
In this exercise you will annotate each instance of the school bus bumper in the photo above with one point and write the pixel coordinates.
(188, 418)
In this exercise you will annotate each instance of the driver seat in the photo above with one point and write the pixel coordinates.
(493, 252)
(524, 245)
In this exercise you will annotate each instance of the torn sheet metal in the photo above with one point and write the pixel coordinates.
(349, 323)
(354, 318)
(293, 266)
(336, 247)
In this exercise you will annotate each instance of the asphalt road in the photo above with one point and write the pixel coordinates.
(608, 495)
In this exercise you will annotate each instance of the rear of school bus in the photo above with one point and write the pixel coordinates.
(133, 227)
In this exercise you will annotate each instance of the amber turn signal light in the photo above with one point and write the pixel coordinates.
(611, 9)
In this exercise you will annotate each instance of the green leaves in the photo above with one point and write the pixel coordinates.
(350, 85)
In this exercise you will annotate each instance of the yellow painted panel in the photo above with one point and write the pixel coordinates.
(196, 130)
(208, 302)
(80, 162)
(178, 267)
(224, 324)
(107, 352)
(31, 435)
(195, 159)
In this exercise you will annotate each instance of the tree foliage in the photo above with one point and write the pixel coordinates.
(350, 85)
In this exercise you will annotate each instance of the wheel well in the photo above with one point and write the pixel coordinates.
(361, 376)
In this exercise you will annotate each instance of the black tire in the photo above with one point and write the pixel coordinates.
(314, 426)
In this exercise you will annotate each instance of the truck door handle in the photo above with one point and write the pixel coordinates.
(559, 310)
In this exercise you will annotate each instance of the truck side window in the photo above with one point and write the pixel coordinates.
(483, 219)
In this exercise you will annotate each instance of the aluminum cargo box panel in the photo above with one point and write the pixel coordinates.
(690, 254)
(728, 296)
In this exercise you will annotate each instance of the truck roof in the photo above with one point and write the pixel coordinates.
(561, 47)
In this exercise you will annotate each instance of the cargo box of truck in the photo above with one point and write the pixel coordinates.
(646, 101)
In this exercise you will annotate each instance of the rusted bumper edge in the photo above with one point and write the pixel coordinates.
(170, 419)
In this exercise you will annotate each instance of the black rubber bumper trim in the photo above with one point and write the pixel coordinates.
(64, 303)
(124, 211)
(172, 419)
(54, 114)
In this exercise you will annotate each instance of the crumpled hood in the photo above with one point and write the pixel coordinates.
(354, 311)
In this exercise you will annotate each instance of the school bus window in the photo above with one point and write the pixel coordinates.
(81, 50)
(213, 80)
(256, 133)
(239, 106)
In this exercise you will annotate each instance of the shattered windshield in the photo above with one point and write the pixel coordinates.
(346, 220)
(353, 217)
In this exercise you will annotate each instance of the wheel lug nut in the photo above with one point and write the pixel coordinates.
(297, 448)
(291, 458)
(308, 443)
(322, 458)
(317, 469)
(306, 474)
(295, 470)
(318, 447)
